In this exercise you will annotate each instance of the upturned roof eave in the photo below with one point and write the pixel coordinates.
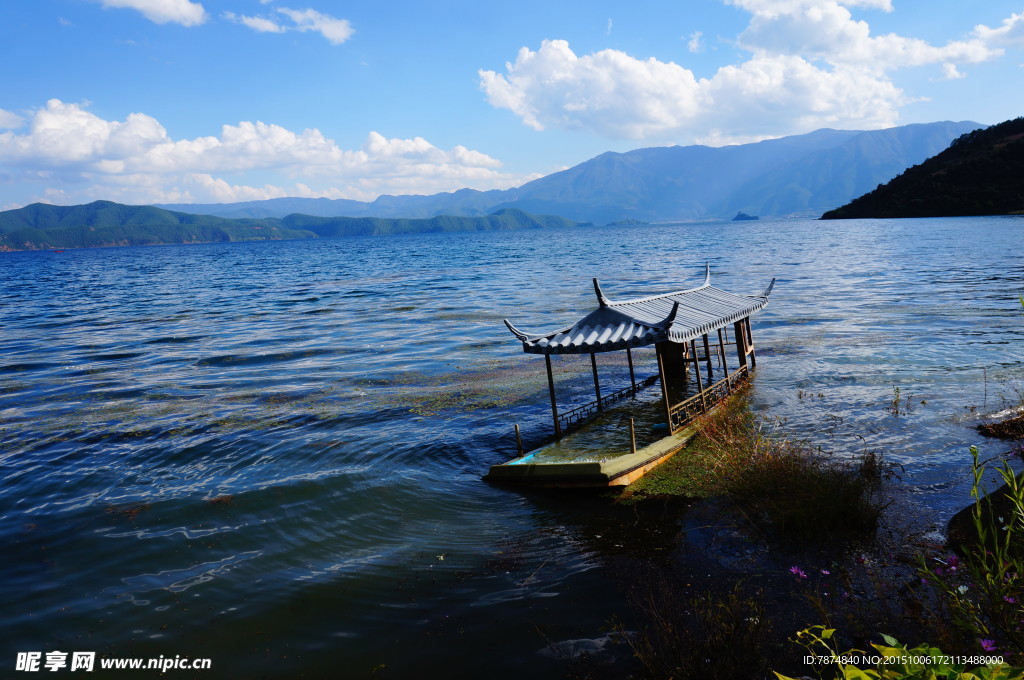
(546, 344)
(643, 324)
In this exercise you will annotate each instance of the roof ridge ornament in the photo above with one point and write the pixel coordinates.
(523, 337)
(667, 321)
(768, 290)
(707, 274)
(601, 299)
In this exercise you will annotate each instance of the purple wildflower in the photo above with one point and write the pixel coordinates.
(798, 572)
(826, 572)
(1010, 600)
(987, 645)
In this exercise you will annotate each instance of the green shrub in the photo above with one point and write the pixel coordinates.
(780, 484)
(984, 588)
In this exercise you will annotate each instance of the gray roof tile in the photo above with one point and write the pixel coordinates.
(676, 317)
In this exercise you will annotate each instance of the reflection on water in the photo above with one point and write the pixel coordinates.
(270, 453)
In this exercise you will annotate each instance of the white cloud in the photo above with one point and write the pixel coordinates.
(825, 30)
(258, 24)
(1011, 33)
(182, 12)
(136, 161)
(951, 72)
(10, 120)
(788, 94)
(608, 92)
(335, 30)
(810, 65)
(614, 94)
(694, 43)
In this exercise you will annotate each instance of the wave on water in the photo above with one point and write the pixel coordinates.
(288, 447)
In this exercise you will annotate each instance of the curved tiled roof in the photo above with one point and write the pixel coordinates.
(676, 317)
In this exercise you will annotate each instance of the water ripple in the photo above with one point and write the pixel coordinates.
(287, 438)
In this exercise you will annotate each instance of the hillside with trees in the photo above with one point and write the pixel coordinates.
(102, 223)
(981, 173)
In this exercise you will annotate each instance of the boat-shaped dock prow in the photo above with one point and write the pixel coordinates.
(679, 326)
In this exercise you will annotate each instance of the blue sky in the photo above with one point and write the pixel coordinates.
(145, 101)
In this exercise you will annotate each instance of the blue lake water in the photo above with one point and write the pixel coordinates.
(269, 454)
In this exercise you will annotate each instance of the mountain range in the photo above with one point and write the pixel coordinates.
(803, 175)
(981, 173)
(102, 223)
(797, 176)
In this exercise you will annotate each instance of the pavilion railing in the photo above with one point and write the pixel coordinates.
(578, 415)
(685, 411)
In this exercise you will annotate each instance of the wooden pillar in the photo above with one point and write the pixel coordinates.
(750, 343)
(721, 355)
(741, 342)
(707, 359)
(632, 376)
(673, 366)
(684, 361)
(696, 372)
(658, 350)
(554, 405)
(597, 383)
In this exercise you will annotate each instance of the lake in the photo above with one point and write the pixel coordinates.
(269, 454)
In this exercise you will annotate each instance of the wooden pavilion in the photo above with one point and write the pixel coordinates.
(688, 329)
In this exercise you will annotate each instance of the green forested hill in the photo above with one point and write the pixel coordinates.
(501, 220)
(103, 223)
(981, 173)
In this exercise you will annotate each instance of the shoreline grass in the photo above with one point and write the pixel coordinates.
(781, 485)
(833, 553)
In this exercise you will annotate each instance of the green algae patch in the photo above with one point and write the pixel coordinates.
(615, 471)
(783, 485)
(607, 436)
(694, 471)
(684, 475)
